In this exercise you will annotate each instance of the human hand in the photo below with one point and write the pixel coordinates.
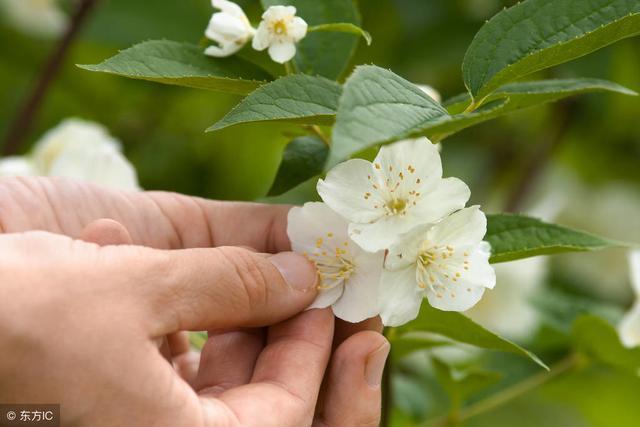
(142, 295)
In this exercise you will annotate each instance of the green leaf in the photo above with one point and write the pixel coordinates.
(527, 94)
(183, 64)
(414, 341)
(343, 27)
(197, 339)
(460, 328)
(514, 237)
(560, 309)
(599, 339)
(378, 106)
(297, 98)
(462, 384)
(538, 34)
(303, 158)
(320, 53)
(508, 99)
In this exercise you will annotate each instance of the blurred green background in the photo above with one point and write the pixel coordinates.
(579, 160)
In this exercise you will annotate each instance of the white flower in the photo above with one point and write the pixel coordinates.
(349, 277)
(431, 92)
(447, 262)
(401, 189)
(629, 327)
(17, 166)
(279, 31)
(230, 28)
(38, 17)
(76, 149)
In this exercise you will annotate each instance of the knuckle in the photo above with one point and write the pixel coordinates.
(249, 275)
(371, 419)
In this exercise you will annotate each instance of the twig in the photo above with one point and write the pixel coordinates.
(26, 115)
(387, 393)
(507, 395)
(318, 132)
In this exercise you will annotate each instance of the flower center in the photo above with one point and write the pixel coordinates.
(393, 191)
(333, 260)
(436, 270)
(280, 28)
(396, 206)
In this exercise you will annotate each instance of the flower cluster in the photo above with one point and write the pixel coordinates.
(391, 232)
(279, 31)
(76, 149)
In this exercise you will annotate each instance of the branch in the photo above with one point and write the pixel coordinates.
(387, 393)
(507, 395)
(27, 113)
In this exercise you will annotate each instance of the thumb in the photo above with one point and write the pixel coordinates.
(198, 289)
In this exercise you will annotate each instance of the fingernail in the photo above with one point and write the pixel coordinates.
(297, 271)
(375, 365)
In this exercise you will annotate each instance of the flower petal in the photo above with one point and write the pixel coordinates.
(380, 234)
(359, 300)
(297, 28)
(449, 195)
(226, 28)
(417, 158)
(431, 92)
(458, 297)
(400, 298)
(327, 297)
(405, 250)
(629, 327)
(261, 38)
(480, 273)
(347, 190)
(101, 165)
(69, 132)
(466, 227)
(313, 221)
(16, 166)
(40, 18)
(274, 13)
(229, 8)
(221, 51)
(469, 265)
(282, 52)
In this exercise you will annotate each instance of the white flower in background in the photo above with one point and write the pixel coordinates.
(230, 28)
(432, 92)
(401, 189)
(37, 17)
(349, 277)
(76, 149)
(447, 262)
(506, 309)
(629, 327)
(280, 30)
(594, 207)
(16, 166)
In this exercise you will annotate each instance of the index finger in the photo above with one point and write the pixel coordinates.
(155, 219)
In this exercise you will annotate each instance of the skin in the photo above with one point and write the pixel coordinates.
(100, 297)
